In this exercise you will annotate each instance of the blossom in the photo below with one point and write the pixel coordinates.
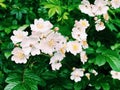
(77, 74)
(19, 56)
(83, 24)
(100, 7)
(55, 61)
(115, 74)
(86, 8)
(79, 34)
(74, 47)
(41, 26)
(99, 25)
(30, 45)
(18, 36)
(53, 42)
(115, 3)
(83, 57)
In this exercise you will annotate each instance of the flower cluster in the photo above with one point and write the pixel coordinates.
(45, 39)
(100, 7)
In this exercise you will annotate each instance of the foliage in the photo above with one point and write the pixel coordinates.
(36, 74)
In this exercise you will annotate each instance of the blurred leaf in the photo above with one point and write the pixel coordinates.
(112, 57)
(8, 30)
(49, 75)
(100, 60)
(23, 27)
(11, 86)
(51, 12)
(77, 86)
(13, 78)
(3, 5)
(2, 1)
(111, 26)
(7, 54)
(105, 86)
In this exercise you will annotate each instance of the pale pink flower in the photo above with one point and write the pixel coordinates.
(115, 74)
(41, 26)
(18, 36)
(30, 45)
(77, 74)
(74, 47)
(19, 56)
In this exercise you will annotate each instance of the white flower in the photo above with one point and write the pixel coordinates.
(115, 74)
(115, 3)
(74, 47)
(53, 42)
(41, 25)
(56, 66)
(82, 24)
(41, 35)
(55, 61)
(86, 8)
(100, 7)
(18, 36)
(79, 34)
(77, 74)
(19, 56)
(30, 45)
(83, 57)
(99, 25)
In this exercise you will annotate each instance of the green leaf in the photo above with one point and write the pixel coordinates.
(23, 27)
(67, 85)
(3, 5)
(111, 26)
(116, 22)
(19, 15)
(48, 5)
(113, 58)
(77, 86)
(51, 12)
(90, 50)
(13, 78)
(11, 86)
(49, 75)
(2, 1)
(8, 30)
(105, 86)
(100, 60)
(114, 62)
(7, 54)
(20, 86)
(116, 46)
(65, 15)
(1, 28)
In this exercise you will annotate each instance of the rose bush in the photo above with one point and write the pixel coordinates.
(59, 45)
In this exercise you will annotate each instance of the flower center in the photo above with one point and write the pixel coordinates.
(20, 55)
(20, 36)
(83, 23)
(51, 43)
(39, 25)
(75, 47)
